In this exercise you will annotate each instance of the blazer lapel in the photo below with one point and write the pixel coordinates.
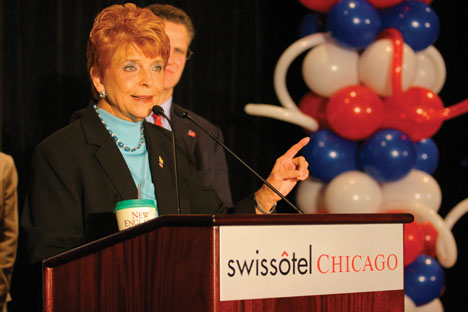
(108, 155)
(159, 145)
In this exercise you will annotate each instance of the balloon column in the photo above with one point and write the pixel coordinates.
(371, 111)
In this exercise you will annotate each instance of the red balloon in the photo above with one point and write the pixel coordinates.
(380, 4)
(319, 5)
(413, 241)
(355, 112)
(416, 111)
(430, 239)
(315, 107)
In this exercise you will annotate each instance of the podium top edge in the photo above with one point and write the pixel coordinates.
(227, 220)
(325, 218)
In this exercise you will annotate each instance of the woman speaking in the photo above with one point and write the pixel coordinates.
(111, 154)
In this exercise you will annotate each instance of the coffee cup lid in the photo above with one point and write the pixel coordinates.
(135, 203)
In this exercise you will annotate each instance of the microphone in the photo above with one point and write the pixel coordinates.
(159, 111)
(183, 114)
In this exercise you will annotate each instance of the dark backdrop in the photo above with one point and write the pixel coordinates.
(237, 45)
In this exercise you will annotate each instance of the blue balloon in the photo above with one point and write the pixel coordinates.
(424, 280)
(309, 24)
(388, 155)
(329, 155)
(354, 23)
(428, 156)
(416, 20)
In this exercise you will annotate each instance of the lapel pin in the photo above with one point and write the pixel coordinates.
(161, 162)
(191, 133)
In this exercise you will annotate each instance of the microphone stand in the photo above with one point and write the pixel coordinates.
(158, 110)
(182, 114)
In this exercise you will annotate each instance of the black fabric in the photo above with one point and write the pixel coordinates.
(78, 173)
(209, 156)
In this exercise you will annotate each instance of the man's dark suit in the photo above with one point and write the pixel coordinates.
(78, 174)
(210, 159)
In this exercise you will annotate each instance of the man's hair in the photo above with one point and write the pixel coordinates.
(175, 15)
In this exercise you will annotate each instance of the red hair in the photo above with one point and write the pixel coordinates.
(124, 26)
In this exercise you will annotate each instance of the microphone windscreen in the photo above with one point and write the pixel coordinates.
(179, 112)
(158, 110)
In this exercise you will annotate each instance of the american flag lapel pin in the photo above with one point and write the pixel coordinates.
(161, 162)
(191, 133)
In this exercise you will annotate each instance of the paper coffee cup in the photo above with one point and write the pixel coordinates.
(133, 212)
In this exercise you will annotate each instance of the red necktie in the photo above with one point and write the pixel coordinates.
(157, 120)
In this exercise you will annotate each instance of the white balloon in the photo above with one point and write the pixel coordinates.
(417, 186)
(329, 67)
(309, 196)
(446, 246)
(285, 60)
(375, 67)
(431, 71)
(456, 213)
(353, 192)
(433, 306)
(285, 114)
(410, 306)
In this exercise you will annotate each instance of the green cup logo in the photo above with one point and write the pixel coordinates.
(134, 211)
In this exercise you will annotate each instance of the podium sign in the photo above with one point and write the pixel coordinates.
(306, 260)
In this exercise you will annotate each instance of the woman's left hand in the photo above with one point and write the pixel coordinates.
(287, 171)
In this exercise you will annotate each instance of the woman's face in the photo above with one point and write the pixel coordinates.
(133, 84)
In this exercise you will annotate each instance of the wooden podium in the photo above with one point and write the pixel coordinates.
(172, 264)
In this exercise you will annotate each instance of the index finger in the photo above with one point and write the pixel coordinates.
(293, 150)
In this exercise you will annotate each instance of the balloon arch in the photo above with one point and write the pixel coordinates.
(372, 108)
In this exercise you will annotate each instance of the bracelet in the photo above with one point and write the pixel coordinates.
(259, 207)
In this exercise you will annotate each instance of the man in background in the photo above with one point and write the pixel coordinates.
(8, 225)
(209, 157)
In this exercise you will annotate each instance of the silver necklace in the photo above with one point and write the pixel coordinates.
(116, 139)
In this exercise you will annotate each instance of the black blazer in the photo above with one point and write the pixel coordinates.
(209, 156)
(79, 174)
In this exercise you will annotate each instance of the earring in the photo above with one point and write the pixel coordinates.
(102, 94)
